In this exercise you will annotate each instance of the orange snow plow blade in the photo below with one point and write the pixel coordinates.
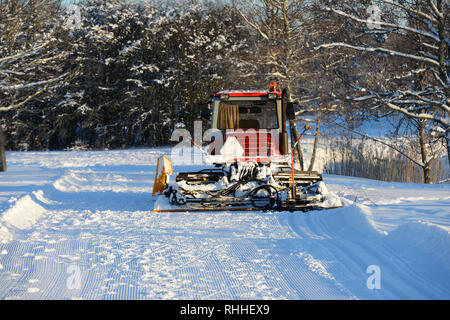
(163, 170)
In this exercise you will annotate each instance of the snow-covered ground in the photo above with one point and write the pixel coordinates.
(79, 225)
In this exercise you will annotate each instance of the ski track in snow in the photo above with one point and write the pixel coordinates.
(79, 225)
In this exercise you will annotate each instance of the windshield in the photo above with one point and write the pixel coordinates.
(248, 115)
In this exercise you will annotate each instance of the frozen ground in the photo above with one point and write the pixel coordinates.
(79, 225)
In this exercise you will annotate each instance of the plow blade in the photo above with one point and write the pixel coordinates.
(163, 170)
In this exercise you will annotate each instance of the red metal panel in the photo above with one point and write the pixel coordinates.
(256, 143)
(247, 94)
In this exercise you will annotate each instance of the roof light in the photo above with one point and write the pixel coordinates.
(224, 96)
(273, 86)
(272, 96)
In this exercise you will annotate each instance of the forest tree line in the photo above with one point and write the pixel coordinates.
(114, 74)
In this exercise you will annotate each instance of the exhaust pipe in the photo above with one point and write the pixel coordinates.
(284, 148)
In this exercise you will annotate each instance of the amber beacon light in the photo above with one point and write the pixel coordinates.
(273, 86)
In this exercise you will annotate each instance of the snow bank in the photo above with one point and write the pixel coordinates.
(23, 213)
(331, 199)
(162, 203)
(5, 235)
(89, 181)
(420, 238)
(315, 265)
(70, 182)
(84, 159)
(353, 221)
(39, 194)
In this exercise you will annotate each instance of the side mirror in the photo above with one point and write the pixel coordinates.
(205, 112)
(290, 111)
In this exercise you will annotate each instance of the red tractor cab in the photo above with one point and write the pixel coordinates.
(249, 126)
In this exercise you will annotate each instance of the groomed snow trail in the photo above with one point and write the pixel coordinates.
(80, 225)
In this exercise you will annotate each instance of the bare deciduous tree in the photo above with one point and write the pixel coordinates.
(415, 37)
(286, 31)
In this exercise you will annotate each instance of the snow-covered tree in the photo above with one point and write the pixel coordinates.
(198, 56)
(143, 65)
(285, 32)
(31, 57)
(106, 46)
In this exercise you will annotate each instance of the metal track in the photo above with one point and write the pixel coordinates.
(263, 197)
(203, 176)
(238, 209)
(302, 178)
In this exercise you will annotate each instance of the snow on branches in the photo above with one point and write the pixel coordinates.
(30, 52)
(416, 38)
